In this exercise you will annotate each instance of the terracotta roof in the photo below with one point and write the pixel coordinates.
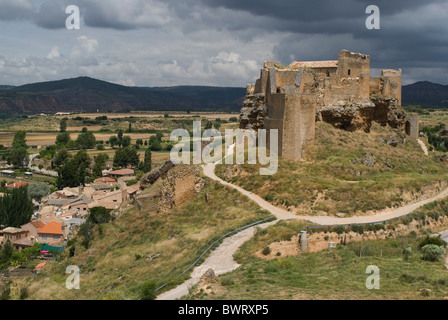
(123, 172)
(38, 224)
(315, 64)
(17, 185)
(40, 266)
(51, 228)
(105, 180)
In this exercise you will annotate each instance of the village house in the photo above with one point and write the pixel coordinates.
(15, 236)
(120, 173)
(34, 232)
(16, 185)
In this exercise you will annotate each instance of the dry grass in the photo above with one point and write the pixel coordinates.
(328, 182)
(111, 269)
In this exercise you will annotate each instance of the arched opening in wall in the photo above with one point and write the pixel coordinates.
(349, 72)
(407, 128)
(328, 74)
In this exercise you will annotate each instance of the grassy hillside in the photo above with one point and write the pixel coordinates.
(338, 273)
(347, 172)
(115, 266)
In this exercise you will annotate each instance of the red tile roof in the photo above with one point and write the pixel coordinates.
(51, 228)
(106, 180)
(123, 172)
(17, 185)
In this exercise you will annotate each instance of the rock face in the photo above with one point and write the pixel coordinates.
(171, 186)
(150, 178)
(180, 186)
(254, 112)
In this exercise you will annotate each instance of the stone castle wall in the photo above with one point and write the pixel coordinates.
(291, 99)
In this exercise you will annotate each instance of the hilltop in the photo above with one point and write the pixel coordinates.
(86, 94)
(426, 94)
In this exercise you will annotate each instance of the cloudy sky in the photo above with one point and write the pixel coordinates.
(214, 42)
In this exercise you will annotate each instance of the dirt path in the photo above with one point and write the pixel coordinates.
(221, 260)
(424, 148)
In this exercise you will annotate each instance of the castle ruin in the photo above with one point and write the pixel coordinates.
(293, 98)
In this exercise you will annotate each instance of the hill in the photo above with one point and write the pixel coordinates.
(426, 94)
(85, 94)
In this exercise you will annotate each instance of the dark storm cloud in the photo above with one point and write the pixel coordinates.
(412, 35)
(51, 15)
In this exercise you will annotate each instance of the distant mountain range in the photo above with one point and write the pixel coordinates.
(426, 94)
(85, 94)
(89, 95)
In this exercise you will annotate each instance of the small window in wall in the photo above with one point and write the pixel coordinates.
(328, 74)
(349, 72)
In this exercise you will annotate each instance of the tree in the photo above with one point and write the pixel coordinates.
(61, 156)
(113, 141)
(126, 141)
(38, 190)
(217, 125)
(86, 139)
(130, 127)
(74, 171)
(18, 155)
(63, 125)
(125, 157)
(100, 162)
(145, 166)
(208, 125)
(159, 136)
(63, 138)
(16, 208)
(99, 215)
(120, 137)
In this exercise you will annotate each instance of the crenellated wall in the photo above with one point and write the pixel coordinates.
(291, 99)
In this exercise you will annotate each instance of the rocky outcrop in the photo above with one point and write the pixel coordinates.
(150, 178)
(170, 186)
(180, 186)
(360, 116)
(254, 112)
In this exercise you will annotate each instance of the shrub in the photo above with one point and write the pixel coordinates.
(432, 240)
(147, 292)
(407, 253)
(339, 229)
(227, 282)
(432, 252)
(266, 250)
(99, 215)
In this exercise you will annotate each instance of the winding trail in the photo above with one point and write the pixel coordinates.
(221, 259)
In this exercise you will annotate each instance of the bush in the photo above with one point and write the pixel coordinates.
(432, 240)
(147, 292)
(266, 250)
(432, 252)
(339, 229)
(227, 282)
(99, 215)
